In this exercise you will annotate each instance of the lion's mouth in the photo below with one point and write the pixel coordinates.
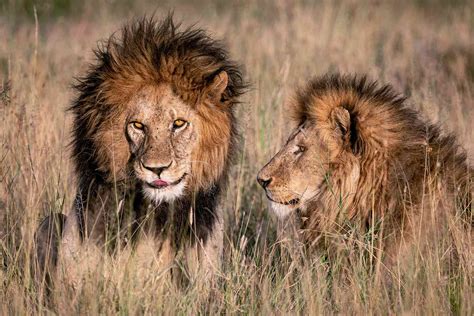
(162, 184)
(291, 202)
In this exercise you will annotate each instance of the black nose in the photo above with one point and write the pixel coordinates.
(156, 169)
(264, 182)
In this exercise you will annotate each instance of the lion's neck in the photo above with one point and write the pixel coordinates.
(345, 200)
(383, 189)
(104, 209)
(187, 219)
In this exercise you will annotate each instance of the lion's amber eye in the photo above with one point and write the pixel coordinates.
(299, 149)
(179, 123)
(138, 125)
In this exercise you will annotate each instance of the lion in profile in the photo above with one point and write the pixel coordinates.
(154, 133)
(359, 160)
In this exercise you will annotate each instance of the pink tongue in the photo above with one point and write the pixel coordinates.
(160, 183)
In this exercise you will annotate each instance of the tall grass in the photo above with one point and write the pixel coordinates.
(425, 49)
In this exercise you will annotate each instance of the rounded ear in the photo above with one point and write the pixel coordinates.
(217, 87)
(346, 127)
(341, 120)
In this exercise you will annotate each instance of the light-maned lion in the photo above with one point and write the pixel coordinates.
(360, 158)
(153, 136)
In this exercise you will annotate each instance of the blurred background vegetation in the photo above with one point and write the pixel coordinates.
(53, 9)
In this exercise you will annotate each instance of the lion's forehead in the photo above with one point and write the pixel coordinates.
(158, 105)
(284, 165)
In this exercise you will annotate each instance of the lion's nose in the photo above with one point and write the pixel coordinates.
(264, 181)
(157, 169)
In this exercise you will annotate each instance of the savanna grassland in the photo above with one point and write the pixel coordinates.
(425, 49)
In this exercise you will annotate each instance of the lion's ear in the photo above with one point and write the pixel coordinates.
(217, 87)
(341, 121)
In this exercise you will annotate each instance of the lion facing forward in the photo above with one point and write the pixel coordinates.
(154, 132)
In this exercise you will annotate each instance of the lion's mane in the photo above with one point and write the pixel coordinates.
(391, 160)
(144, 53)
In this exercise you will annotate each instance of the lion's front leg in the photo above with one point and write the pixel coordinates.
(47, 240)
(203, 259)
(76, 258)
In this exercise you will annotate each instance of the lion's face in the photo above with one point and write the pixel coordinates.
(154, 135)
(294, 176)
(161, 133)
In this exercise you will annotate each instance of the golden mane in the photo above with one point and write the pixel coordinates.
(390, 156)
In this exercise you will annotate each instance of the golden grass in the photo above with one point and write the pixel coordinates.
(425, 51)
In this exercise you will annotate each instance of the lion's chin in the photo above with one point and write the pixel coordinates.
(282, 211)
(165, 194)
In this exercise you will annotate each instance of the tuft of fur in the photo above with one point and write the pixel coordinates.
(391, 163)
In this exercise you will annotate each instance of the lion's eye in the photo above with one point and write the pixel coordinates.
(179, 123)
(138, 125)
(299, 149)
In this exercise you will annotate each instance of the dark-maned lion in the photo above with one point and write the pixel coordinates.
(154, 133)
(359, 157)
